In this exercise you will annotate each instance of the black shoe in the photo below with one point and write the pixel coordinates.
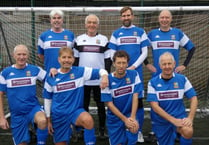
(178, 135)
(74, 137)
(75, 134)
(102, 134)
(151, 137)
(80, 134)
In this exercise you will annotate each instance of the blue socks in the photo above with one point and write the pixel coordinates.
(41, 136)
(89, 136)
(184, 141)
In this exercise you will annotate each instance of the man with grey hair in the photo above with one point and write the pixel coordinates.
(53, 39)
(166, 93)
(91, 51)
(168, 39)
(18, 82)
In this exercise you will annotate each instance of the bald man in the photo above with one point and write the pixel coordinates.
(18, 82)
(167, 38)
(165, 95)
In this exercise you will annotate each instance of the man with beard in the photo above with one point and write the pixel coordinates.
(134, 41)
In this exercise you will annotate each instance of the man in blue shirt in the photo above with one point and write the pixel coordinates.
(165, 94)
(53, 39)
(121, 97)
(19, 83)
(63, 97)
(134, 41)
(167, 38)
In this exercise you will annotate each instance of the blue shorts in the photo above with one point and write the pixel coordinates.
(61, 125)
(118, 134)
(166, 134)
(20, 125)
(140, 116)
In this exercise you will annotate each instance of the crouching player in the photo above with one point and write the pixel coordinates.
(121, 97)
(64, 94)
(165, 94)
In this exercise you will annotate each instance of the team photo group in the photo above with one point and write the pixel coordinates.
(89, 66)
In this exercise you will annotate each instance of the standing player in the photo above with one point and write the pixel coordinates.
(64, 99)
(165, 94)
(169, 39)
(121, 98)
(19, 83)
(91, 51)
(53, 39)
(134, 41)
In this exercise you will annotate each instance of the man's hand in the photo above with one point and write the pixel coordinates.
(53, 72)
(180, 69)
(187, 122)
(132, 125)
(4, 123)
(132, 67)
(178, 122)
(104, 82)
(151, 68)
(50, 128)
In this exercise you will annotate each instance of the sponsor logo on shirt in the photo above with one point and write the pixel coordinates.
(65, 86)
(58, 44)
(91, 49)
(123, 91)
(168, 95)
(49, 36)
(128, 40)
(165, 44)
(21, 82)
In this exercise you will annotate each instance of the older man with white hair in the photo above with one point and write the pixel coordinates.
(91, 51)
(53, 39)
(166, 92)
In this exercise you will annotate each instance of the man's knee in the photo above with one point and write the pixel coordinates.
(85, 120)
(89, 123)
(40, 120)
(186, 132)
